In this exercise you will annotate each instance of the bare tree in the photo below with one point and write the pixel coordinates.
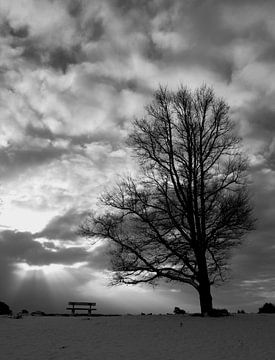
(190, 207)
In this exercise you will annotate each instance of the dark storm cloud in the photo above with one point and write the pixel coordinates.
(63, 227)
(90, 28)
(21, 247)
(21, 32)
(82, 140)
(32, 53)
(44, 133)
(41, 132)
(17, 33)
(93, 29)
(198, 58)
(59, 58)
(268, 54)
(261, 120)
(119, 85)
(64, 257)
(75, 7)
(206, 28)
(147, 8)
(18, 245)
(16, 158)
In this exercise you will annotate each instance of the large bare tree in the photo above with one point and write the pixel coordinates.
(190, 206)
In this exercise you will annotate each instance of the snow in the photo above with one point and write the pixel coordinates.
(161, 337)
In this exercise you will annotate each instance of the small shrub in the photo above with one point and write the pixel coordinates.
(240, 312)
(178, 310)
(18, 315)
(267, 308)
(38, 313)
(218, 312)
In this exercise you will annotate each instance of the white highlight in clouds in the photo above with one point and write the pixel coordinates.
(47, 270)
(24, 219)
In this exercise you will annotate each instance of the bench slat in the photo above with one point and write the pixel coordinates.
(81, 303)
(87, 309)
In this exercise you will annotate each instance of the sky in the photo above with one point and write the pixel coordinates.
(73, 75)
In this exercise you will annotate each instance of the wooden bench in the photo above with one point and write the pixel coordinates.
(81, 305)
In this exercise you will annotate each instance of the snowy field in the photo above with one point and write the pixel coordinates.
(138, 337)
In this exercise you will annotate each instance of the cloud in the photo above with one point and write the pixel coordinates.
(16, 159)
(59, 58)
(22, 247)
(75, 7)
(63, 227)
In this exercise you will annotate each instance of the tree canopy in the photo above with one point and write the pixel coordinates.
(190, 206)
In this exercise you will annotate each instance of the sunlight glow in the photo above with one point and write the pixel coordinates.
(50, 282)
(51, 269)
(24, 219)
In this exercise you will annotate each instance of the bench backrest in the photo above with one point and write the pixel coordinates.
(81, 303)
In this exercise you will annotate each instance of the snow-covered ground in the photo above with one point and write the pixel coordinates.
(138, 337)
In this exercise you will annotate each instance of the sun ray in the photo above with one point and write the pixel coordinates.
(49, 283)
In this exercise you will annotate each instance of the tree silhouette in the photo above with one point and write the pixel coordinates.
(190, 206)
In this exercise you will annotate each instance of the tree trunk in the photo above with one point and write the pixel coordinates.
(204, 287)
(205, 298)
